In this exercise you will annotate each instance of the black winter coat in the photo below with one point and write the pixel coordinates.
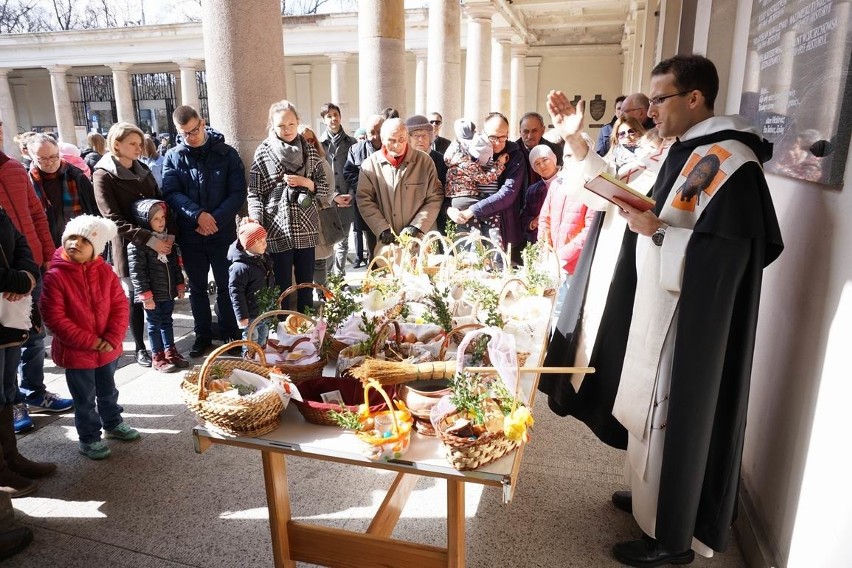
(246, 276)
(352, 170)
(147, 272)
(18, 258)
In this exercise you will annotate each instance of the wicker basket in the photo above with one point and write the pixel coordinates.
(380, 447)
(466, 453)
(245, 416)
(296, 372)
(326, 293)
(316, 411)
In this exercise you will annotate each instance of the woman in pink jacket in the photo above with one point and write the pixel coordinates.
(86, 310)
(564, 220)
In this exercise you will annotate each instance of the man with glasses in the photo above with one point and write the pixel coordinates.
(204, 183)
(636, 105)
(673, 353)
(604, 136)
(498, 211)
(61, 192)
(439, 144)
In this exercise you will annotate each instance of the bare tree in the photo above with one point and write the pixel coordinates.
(21, 16)
(305, 7)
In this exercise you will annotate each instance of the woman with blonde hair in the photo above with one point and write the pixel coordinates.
(152, 158)
(120, 179)
(95, 150)
(624, 141)
(286, 180)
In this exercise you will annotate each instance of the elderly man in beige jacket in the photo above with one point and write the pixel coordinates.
(398, 189)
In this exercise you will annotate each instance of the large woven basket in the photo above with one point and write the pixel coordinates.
(466, 454)
(244, 416)
(296, 372)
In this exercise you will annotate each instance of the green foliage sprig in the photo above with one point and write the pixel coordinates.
(489, 300)
(440, 312)
(346, 419)
(535, 278)
(468, 395)
(267, 299)
(450, 230)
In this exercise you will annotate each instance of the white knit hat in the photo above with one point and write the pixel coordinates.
(96, 230)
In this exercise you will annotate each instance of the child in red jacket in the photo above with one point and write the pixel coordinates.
(86, 310)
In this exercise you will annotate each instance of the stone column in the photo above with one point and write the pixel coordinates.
(123, 92)
(500, 70)
(188, 83)
(7, 115)
(420, 82)
(477, 78)
(62, 103)
(244, 58)
(304, 93)
(339, 95)
(443, 67)
(381, 47)
(518, 84)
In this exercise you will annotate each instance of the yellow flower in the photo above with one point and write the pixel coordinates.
(515, 425)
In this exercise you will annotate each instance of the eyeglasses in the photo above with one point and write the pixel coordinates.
(629, 132)
(657, 101)
(435, 122)
(193, 132)
(48, 159)
(497, 139)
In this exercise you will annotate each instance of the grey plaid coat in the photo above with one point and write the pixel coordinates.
(288, 226)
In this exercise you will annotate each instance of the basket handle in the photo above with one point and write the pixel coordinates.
(208, 362)
(326, 293)
(271, 313)
(447, 338)
(374, 347)
(371, 266)
(506, 287)
(507, 265)
(371, 383)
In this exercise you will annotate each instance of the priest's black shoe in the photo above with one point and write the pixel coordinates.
(623, 500)
(647, 553)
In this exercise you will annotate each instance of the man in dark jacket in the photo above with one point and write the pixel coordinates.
(204, 182)
(499, 204)
(439, 143)
(351, 171)
(532, 131)
(337, 143)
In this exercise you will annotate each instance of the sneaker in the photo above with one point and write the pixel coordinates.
(123, 432)
(50, 402)
(161, 364)
(96, 450)
(21, 418)
(175, 358)
(200, 347)
(143, 358)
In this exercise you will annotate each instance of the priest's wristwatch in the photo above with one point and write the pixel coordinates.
(659, 235)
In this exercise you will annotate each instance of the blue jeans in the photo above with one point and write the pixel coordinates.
(260, 335)
(300, 261)
(95, 400)
(9, 359)
(160, 330)
(32, 359)
(198, 258)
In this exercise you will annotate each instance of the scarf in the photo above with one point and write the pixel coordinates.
(395, 162)
(70, 197)
(291, 154)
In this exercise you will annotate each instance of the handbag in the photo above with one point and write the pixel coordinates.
(331, 227)
(15, 317)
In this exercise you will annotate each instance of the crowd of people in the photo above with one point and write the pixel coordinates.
(657, 301)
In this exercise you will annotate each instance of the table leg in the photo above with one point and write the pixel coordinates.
(455, 524)
(278, 502)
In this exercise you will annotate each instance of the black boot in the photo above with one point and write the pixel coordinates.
(14, 541)
(13, 483)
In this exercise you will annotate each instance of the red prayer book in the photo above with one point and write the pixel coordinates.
(608, 186)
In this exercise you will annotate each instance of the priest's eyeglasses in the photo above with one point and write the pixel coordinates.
(657, 101)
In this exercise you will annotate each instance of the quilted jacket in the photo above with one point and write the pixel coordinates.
(19, 199)
(81, 303)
